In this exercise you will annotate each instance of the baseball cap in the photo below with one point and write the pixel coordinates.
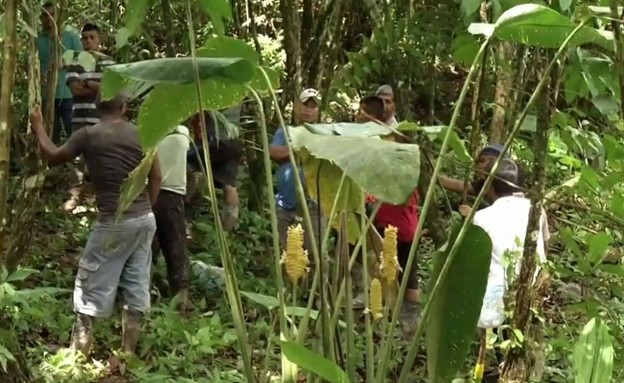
(308, 94)
(493, 149)
(385, 90)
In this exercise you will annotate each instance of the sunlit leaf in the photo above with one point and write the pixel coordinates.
(456, 309)
(217, 10)
(598, 246)
(180, 70)
(225, 46)
(135, 15)
(469, 7)
(121, 37)
(264, 300)
(593, 354)
(465, 48)
(564, 5)
(371, 163)
(538, 25)
(314, 363)
(134, 185)
(20, 274)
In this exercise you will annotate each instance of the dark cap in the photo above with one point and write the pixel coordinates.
(493, 149)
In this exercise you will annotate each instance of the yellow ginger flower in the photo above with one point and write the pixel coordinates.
(389, 261)
(376, 303)
(478, 371)
(295, 258)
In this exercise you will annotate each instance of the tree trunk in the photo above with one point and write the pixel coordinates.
(504, 82)
(168, 21)
(517, 363)
(6, 111)
(292, 46)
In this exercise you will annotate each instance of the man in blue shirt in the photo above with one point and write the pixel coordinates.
(288, 210)
(63, 104)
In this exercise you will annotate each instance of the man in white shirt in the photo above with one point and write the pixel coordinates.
(387, 95)
(505, 221)
(169, 211)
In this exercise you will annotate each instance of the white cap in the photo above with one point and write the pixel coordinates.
(308, 94)
(385, 90)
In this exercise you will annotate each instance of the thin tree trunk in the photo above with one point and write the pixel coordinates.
(168, 21)
(517, 362)
(292, 46)
(619, 55)
(6, 111)
(504, 82)
(53, 67)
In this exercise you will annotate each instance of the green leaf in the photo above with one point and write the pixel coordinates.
(314, 363)
(470, 7)
(136, 13)
(606, 104)
(465, 48)
(538, 25)
(132, 186)
(350, 129)
(593, 354)
(564, 5)
(382, 163)
(457, 145)
(225, 46)
(217, 10)
(456, 309)
(264, 300)
(598, 246)
(168, 105)
(21, 274)
(121, 37)
(180, 70)
(85, 59)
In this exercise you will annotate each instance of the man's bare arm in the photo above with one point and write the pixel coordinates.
(455, 185)
(79, 89)
(154, 181)
(50, 151)
(279, 153)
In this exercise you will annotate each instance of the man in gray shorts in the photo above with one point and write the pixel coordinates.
(118, 254)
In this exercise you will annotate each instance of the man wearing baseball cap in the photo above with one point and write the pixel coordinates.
(387, 95)
(306, 110)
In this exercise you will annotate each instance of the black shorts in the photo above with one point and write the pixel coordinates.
(403, 249)
(224, 161)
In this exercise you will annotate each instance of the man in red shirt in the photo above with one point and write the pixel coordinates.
(404, 218)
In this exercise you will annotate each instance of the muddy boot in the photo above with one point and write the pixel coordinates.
(409, 317)
(82, 334)
(130, 329)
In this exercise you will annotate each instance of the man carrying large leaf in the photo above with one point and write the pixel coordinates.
(118, 254)
(83, 77)
(288, 206)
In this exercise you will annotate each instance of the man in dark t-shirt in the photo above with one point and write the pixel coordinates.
(83, 77)
(117, 255)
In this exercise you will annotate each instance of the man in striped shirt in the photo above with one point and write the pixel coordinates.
(85, 84)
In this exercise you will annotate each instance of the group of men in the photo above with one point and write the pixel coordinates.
(119, 253)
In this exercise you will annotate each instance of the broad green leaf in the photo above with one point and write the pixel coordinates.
(168, 105)
(464, 48)
(371, 163)
(598, 246)
(136, 12)
(20, 274)
(85, 59)
(606, 104)
(225, 46)
(469, 7)
(180, 70)
(457, 145)
(603, 11)
(538, 25)
(121, 37)
(593, 354)
(564, 5)
(217, 10)
(314, 363)
(349, 129)
(617, 204)
(265, 300)
(132, 186)
(456, 309)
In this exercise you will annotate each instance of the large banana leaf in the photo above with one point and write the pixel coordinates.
(455, 310)
(593, 354)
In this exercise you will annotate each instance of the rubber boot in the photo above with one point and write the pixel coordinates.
(130, 329)
(82, 334)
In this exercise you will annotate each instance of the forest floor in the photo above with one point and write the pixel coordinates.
(201, 347)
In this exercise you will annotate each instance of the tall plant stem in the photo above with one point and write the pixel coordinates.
(230, 273)
(409, 360)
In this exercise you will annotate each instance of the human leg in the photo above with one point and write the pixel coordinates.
(97, 280)
(65, 113)
(134, 282)
(171, 233)
(57, 122)
(410, 312)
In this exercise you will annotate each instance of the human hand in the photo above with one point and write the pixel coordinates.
(36, 118)
(464, 210)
